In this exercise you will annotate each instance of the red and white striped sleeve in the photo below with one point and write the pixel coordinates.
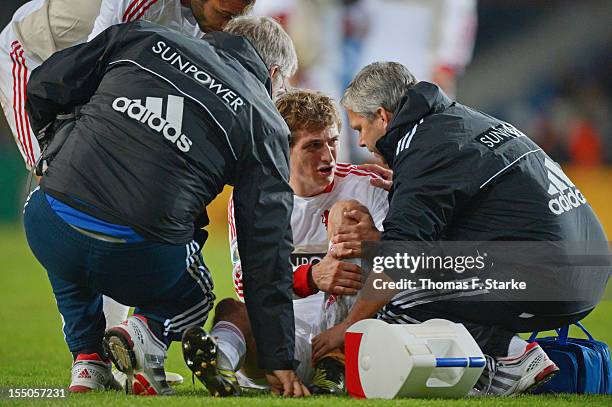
(374, 198)
(119, 11)
(15, 69)
(234, 255)
(344, 169)
(135, 9)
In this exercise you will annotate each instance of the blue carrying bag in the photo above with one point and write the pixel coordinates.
(584, 364)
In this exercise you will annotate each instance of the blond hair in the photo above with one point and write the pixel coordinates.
(308, 110)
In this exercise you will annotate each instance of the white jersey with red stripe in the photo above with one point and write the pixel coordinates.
(309, 225)
(168, 13)
(309, 217)
(16, 64)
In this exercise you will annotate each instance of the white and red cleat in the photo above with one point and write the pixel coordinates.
(91, 372)
(173, 379)
(136, 351)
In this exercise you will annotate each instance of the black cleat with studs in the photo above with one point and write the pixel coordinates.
(328, 377)
(200, 354)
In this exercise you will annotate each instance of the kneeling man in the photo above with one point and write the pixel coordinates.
(461, 175)
(152, 143)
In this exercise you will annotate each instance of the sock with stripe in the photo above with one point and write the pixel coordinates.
(231, 343)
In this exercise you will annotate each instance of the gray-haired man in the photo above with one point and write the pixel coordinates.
(462, 175)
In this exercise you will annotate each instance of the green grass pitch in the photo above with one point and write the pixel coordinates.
(34, 355)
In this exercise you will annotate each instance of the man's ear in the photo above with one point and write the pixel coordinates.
(385, 116)
(269, 83)
(273, 70)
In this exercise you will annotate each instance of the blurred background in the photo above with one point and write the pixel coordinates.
(542, 65)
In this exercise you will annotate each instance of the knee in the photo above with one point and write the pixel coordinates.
(230, 310)
(336, 214)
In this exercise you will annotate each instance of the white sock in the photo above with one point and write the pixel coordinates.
(231, 343)
(114, 312)
(517, 346)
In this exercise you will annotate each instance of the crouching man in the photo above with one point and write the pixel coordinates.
(163, 122)
(461, 175)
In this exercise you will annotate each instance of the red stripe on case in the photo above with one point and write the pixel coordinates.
(352, 340)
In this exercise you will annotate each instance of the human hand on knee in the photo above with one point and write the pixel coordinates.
(345, 250)
(358, 228)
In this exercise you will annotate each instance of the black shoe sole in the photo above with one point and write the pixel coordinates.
(200, 355)
(332, 371)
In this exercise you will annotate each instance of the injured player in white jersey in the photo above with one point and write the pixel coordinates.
(327, 196)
